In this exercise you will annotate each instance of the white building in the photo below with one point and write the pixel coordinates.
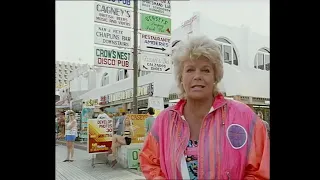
(246, 78)
(63, 69)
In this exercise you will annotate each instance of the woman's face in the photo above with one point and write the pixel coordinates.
(71, 116)
(198, 78)
(127, 122)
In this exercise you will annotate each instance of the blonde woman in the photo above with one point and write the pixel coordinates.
(71, 134)
(124, 139)
(204, 136)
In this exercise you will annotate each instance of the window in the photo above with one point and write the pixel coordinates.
(262, 60)
(235, 58)
(228, 52)
(256, 61)
(267, 62)
(105, 79)
(122, 74)
(220, 45)
(143, 73)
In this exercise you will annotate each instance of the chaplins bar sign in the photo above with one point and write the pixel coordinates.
(144, 90)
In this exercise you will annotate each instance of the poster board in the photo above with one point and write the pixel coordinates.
(86, 113)
(138, 127)
(100, 133)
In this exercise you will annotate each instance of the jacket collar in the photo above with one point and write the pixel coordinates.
(218, 101)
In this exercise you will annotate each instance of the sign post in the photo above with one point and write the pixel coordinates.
(155, 40)
(135, 58)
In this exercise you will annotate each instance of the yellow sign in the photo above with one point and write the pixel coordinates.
(138, 127)
(156, 112)
(91, 102)
(99, 135)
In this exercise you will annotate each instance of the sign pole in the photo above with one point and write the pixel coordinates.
(135, 57)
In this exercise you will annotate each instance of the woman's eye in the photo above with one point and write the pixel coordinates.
(206, 70)
(189, 70)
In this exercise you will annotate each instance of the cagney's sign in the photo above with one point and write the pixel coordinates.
(114, 15)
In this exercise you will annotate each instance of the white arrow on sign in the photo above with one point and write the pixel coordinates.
(155, 43)
(155, 63)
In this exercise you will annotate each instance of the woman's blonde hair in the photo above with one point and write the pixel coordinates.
(193, 49)
(130, 125)
(68, 113)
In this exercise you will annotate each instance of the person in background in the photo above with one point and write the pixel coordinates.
(119, 124)
(71, 134)
(148, 122)
(61, 124)
(56, 127)
(205, 136)
(260, 115)
(123, 139)
(99, 113)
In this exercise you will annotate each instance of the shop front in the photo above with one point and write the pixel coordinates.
(122, 100)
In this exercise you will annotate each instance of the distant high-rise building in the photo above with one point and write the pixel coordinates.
(63, 69)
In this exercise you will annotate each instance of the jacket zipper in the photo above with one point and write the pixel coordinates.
(183, 143)
(180, 154)
(228, 175)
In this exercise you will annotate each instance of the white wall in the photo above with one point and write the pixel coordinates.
(238, 80)
(161, 82)
(77, 27)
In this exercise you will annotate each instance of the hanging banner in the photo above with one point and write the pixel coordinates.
(137, 127)
(157, 104)
(100, 133)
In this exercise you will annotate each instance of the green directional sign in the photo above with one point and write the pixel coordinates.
(155, 24)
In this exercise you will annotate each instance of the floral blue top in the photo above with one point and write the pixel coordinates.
(192, 159)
